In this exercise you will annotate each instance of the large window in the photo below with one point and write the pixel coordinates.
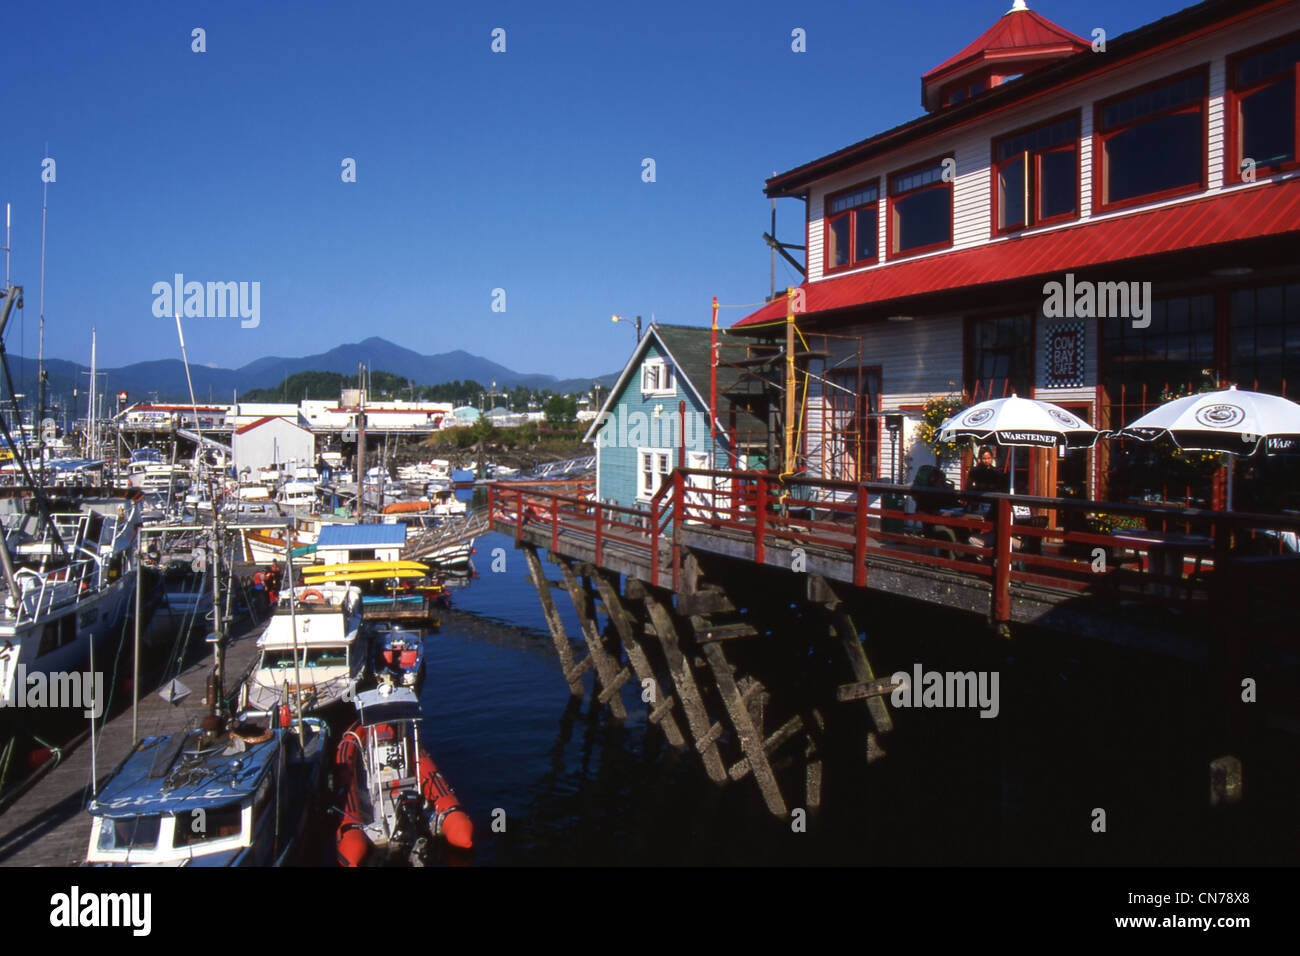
(1264, 339)
(1036, 175)
(1000, 358)
(851, 233)
(1175, 354)
(1152, 142)
(920, 209)
(1262, 109)
(851, 447)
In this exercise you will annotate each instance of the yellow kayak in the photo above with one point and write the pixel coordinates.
(350, 567)
(376, 575)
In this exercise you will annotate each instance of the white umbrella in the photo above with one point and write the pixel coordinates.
(1231, 421)
(1019, 421)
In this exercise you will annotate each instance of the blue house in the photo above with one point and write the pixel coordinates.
(642, 429)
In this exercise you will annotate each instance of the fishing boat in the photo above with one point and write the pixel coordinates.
(66, 590)
(243, 797)
(313, 651)
(395, 801)
(398, 657)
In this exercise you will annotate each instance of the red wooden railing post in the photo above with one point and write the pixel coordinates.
(679, 482)
(519, 516)
(1002, 560)
(860, 540)
(760, 517)
(598, 536)
(555, 524)
(654, 540)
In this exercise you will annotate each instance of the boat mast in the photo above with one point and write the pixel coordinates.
(361, 439)
(293, 625)
(41, 377)
(90, 407)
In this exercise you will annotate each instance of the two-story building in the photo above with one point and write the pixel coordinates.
(1097, 222)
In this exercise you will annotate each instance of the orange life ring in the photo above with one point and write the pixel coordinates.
(306, 596)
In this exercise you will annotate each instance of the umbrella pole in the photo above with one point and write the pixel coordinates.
(1013, 469)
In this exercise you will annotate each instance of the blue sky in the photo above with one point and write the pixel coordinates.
(476, 170)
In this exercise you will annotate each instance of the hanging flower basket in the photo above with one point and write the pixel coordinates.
(937, 411)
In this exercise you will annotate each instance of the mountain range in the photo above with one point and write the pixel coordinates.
(166, 377)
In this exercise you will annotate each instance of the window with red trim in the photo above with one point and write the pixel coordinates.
(1265, 87)
(1036, 176)
(852, 237)
(920, 209)
(1152, 141)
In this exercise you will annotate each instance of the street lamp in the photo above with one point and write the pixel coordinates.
(623, 318)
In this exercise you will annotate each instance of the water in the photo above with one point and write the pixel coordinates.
(1081, 728)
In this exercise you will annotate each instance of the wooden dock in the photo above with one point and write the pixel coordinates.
(750, 606)
(47, 825)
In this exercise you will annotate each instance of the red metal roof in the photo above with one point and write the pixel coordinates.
(262, 421)
(1017, 33)
(1265, 210)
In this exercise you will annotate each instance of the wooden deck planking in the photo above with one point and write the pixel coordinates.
(48, 825)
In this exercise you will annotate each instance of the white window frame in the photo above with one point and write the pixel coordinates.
(664, 376)
(661, 464)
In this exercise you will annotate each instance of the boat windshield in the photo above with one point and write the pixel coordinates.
(129, 833)
(327, 656)
(204, 826)
(278, 659)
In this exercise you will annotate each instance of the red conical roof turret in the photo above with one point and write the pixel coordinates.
(1018, 42)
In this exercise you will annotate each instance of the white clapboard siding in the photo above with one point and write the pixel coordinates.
(1216, 121)
(971, 146)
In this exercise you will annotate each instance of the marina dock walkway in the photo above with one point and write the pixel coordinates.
(48, 825)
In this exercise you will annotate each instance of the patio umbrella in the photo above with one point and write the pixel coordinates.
(1231, 421)
(1017, 422)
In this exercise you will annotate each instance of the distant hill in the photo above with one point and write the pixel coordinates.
(167, 376)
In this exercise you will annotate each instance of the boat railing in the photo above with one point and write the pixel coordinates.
(44, 593)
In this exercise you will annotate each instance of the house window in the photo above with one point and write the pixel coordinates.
(851, 233)
(1000, 357)
(1264, 332)
(656, 378)
(1152, 142)
(654, 464)
(1262, 108)
(964, 91)
(1036, 175)
(920, 209)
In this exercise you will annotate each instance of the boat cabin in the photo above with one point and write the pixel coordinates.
(340, 543)
(237, 800)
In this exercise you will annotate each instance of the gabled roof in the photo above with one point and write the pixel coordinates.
(689, 348)
(1019, 35)
(1267, 209)
(269, 418)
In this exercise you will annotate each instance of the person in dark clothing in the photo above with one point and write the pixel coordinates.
(932, 491)
(986, 475)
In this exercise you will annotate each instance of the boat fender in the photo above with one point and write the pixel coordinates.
(285, 718)
(353, 847)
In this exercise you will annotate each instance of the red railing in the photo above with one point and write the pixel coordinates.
(862, 522)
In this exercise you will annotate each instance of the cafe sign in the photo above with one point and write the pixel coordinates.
(1065, 352)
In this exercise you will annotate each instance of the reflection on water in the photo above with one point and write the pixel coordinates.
(1079, 729)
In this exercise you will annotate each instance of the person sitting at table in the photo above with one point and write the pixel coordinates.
(986, 475)
(931, 490)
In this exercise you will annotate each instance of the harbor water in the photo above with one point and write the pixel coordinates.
(553, 780)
